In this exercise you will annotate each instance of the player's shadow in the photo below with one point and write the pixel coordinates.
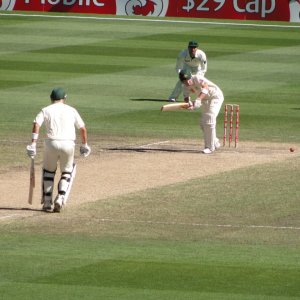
(140, 149)
(19, 208)
(149, 99)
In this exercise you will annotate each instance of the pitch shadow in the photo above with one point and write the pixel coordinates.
(21, 209)
(149, 99)
(153, 150)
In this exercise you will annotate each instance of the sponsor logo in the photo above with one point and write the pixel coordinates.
(153, 8)
(280, 10)
(263, 7)
(65, 2)
(7, 4)
(148, 8)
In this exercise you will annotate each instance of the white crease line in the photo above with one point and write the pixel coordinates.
(9, 216)
(188, 224)
(158, 143)
(204, 224)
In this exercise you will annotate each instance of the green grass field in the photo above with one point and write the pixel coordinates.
(200, 242)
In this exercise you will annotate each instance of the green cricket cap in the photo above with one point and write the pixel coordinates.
(57, 94)
(185, 75)
(193, 44)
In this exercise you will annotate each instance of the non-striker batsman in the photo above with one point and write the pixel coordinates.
(61, 122)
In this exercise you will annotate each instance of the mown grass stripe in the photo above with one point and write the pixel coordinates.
(242, 24)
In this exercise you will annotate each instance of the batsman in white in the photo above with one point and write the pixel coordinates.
(191, 59)
(210, 98)
(61, 122)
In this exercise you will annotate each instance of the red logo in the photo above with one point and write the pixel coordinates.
(150, 8)
(144, 10)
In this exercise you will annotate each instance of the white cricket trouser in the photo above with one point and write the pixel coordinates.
(61, 151)
(210, 111)
(176, 91)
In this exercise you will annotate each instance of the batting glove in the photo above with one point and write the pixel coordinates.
(191, 105)
(85, 150)
(197, 103)
(31, 150)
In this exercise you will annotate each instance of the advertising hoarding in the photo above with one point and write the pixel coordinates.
(268, 10)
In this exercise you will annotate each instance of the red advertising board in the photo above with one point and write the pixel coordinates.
(76, 6)
(209, 9)
(269, 10)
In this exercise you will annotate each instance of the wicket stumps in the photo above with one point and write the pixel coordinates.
(234, 108)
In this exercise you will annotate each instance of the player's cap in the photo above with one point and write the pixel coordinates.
(193, 44)
(185, 75)
(57, 94)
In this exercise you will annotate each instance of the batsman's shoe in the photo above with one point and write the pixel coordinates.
(172, 99)
(207, 151)
(57, 208)
(217, 145)
(58, 203)
(46, 206)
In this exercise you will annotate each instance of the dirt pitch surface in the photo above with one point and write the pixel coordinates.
(118, 170)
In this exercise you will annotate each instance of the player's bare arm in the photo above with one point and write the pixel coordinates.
(83, 134)
(35, 132)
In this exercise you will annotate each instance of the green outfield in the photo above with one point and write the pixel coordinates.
(234, 235)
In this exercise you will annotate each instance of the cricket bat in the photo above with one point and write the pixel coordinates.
(32, 181)
(174, 106)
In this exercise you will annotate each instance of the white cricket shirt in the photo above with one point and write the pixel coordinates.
(197, 65)
(196, 87)
(60, 120)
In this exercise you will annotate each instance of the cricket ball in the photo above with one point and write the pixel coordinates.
(292, 149)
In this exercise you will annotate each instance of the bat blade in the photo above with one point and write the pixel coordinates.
(174, 106)
(32, 181)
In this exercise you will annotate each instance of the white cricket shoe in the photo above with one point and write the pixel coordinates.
(47, 206)
(172, 99)
(217, 144)
(207, 151)
(58, 203)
